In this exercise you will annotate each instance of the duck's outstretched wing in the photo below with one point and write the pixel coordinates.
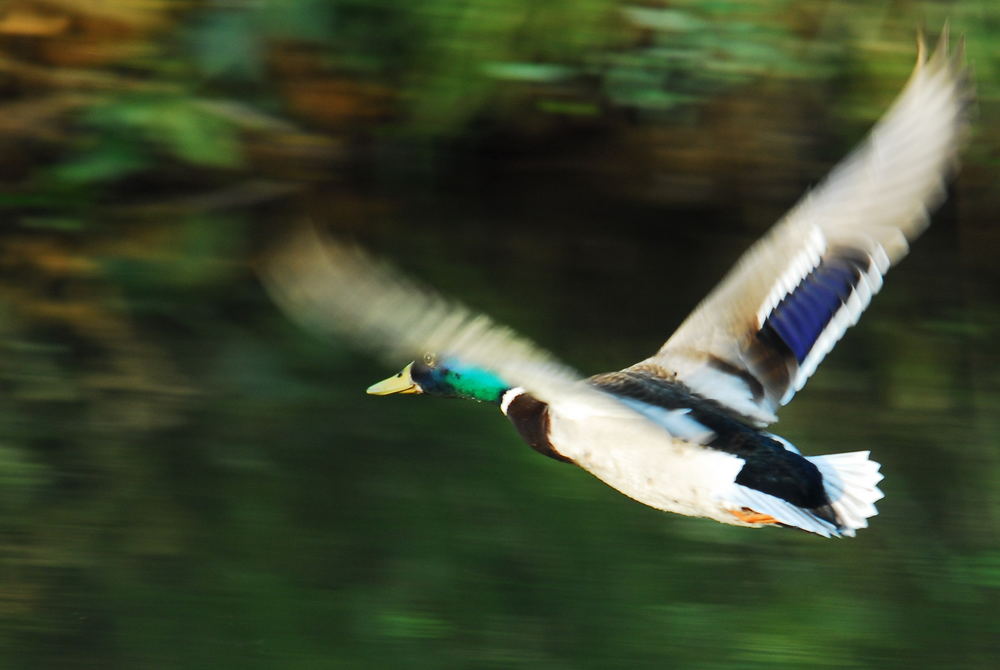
(756, 339)
(334, 288)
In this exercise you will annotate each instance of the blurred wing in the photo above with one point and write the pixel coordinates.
(331, 288)
(756, 339)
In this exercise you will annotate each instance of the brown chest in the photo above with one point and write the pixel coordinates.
(530, 417)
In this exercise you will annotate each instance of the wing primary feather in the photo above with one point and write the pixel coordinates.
(333, 288)
(870, 206)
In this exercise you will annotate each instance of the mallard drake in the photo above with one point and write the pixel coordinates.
(684, 430)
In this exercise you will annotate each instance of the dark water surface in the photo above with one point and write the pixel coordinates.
(232, 498)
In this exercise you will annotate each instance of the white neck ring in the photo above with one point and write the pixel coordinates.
(508, 398)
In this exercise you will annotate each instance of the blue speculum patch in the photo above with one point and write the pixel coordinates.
(802, 316)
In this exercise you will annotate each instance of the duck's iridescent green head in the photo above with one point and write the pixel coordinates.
(446, 377)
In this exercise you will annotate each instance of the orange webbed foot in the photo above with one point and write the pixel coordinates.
(749, 516)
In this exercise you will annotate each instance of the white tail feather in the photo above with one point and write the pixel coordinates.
(781, 511)
(851, 481)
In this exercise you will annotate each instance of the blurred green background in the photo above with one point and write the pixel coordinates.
(187, 480)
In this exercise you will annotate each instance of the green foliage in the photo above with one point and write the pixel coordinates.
(127, 133)
(700, 49)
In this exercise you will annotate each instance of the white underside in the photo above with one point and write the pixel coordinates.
(645, 462)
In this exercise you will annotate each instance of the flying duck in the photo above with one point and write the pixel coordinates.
(684, 430)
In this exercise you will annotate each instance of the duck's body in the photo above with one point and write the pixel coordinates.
(715, 465)
(665, 446)
(683, 430)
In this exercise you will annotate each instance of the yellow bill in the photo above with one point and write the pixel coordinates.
(401, 382)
